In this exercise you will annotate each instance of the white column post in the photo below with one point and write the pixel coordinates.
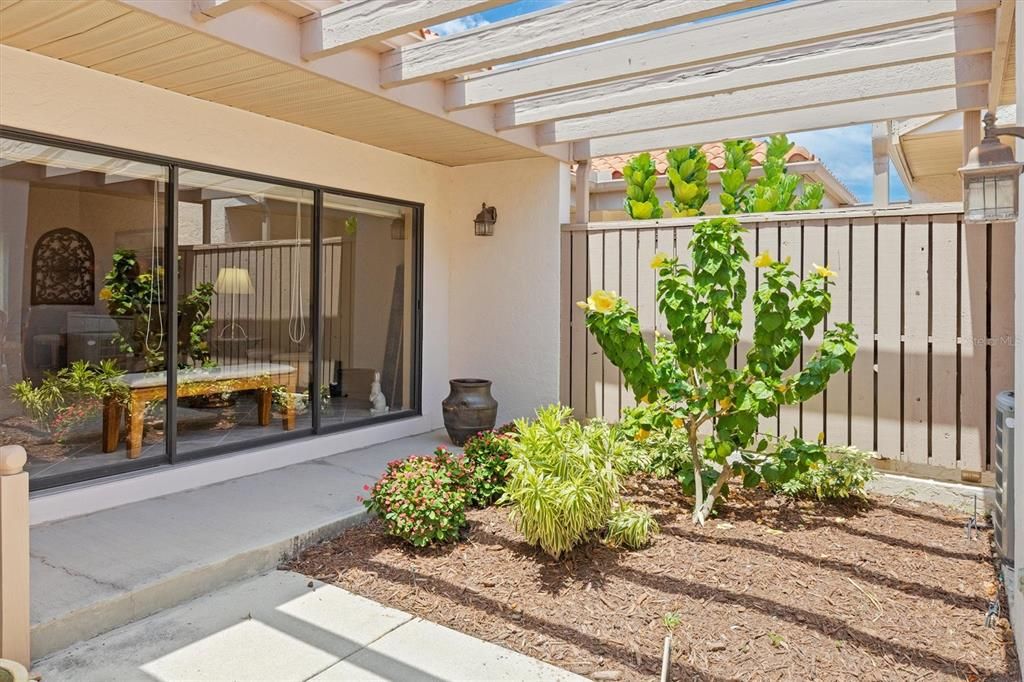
(880, 156)
(1014, 590)
(583, 191)
(14, 561)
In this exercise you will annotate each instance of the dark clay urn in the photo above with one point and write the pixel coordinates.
(469, 409)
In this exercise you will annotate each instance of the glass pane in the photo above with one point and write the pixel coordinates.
(367, 293)
(82, 311)
(244, 311)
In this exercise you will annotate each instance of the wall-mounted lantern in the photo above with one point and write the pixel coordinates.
(992, 176)
(483, 225)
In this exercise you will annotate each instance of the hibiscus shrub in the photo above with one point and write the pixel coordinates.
(423, 500)
(487, 453)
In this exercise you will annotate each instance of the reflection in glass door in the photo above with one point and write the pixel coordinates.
(245, 339)
(83, 311)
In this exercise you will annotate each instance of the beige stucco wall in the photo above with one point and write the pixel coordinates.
(490, 305)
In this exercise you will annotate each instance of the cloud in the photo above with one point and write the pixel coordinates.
(459, 24)
(847, 153)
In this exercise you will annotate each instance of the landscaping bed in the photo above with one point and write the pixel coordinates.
(772, 588)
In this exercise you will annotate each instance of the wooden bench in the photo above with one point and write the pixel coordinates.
(145, 387)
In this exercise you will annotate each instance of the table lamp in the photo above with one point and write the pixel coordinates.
(233, 282)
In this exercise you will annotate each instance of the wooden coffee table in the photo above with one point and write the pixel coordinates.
(145, 387)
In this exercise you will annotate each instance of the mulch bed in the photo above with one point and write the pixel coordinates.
(772, 589)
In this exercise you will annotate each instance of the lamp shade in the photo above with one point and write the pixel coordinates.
(234, 281)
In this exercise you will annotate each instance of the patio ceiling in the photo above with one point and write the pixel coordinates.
(583, 79)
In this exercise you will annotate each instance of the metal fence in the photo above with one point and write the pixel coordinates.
(931, 298)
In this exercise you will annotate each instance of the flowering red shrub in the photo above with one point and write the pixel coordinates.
(487, 453)
(423, 499)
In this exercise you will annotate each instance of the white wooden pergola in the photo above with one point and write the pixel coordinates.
(579, 80)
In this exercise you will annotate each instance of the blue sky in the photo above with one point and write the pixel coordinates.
(845, 151)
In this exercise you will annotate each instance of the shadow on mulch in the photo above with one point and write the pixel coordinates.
(771, 589)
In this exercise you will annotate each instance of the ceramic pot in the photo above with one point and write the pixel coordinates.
(469, 409)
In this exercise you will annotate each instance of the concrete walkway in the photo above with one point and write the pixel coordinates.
(283, 627)
(94, 573)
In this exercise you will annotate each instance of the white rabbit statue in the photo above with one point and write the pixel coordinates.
(378, 404)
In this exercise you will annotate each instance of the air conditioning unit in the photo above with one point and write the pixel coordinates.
(1002, 512)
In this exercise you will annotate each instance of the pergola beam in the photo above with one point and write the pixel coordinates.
(902, 46)
(799, 23)
(813, 118)
(813, 92)
(568, 26)
(204, 10)
(1003, 36)
(360, 22)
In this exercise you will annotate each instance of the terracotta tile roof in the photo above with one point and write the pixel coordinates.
(715, 151)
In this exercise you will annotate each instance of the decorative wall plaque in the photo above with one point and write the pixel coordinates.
(63, 269)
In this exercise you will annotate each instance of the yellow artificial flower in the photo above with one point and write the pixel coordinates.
(725, 403)
(764, 260)
(658, 260)
(824, 271)
(642, 435)
(106, 294)
(677, 423)
(602, 301)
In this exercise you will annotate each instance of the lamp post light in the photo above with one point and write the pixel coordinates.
(992, 176)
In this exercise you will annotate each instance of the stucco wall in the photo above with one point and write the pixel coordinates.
(490, 304)
(504, 289)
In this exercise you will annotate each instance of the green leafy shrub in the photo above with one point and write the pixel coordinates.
(562, 479)
(775, 190)
(632, 527)
(487, 453)
(687, 181)
(422, 500)
(843, 474)
(641, 176)
(70, 395)
(686, 383)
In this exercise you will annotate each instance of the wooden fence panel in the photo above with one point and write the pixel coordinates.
(836, 398)
(916, 309)
(889, 358)
(973, 346)
(812, 412)
(863, 300)
(943, 378)
(931, 300)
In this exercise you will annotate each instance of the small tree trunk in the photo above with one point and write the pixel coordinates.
(701, 515)
(698, 479)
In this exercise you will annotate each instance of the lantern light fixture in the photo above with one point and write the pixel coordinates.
(992, 176)
(483, 224)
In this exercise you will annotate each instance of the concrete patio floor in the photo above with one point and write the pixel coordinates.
(94, 573)
(283, 627)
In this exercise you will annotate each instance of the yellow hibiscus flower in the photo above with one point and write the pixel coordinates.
(677, 423)
(763, 260)
(642, 435)
(602, 301)
(824, 271)
(106, 294)
(658, 260)
(725, 403)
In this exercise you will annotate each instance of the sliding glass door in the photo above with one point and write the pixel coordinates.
(245, 332)
(154, 311)
(83, 310)
(368, 309)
